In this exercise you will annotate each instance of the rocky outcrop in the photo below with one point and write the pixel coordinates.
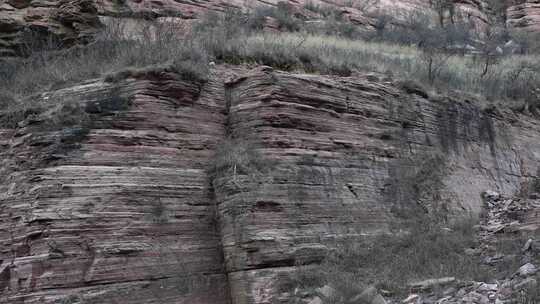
(505, 220)
(112, 205)
(70, 21)
(343, 152)
(24, 24)
(524, 15)
(158, 190)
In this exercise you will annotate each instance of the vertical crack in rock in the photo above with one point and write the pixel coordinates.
(131, 211)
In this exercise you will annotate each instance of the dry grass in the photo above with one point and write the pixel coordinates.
(392, 261)
(52, 68)
(512, 78)
(235, 39)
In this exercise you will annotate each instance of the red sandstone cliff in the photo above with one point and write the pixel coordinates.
(126, 209)
(71, 21)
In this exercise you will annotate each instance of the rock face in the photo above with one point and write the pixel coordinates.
(141, 198)
(503, 218)
(525, 15)
(357, 12)
(23, 23)
(70, 21)
(116, 210)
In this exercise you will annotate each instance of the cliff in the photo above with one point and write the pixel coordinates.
(70, 22)
(153, 189)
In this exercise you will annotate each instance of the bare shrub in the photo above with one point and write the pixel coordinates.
(417, 50)
(281, 13)
(436, 43)
(52, 68)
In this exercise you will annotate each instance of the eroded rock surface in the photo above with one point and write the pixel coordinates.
(524, 15)
(23, 24)
(343, 151)
(119, 204)
(114, 209)
(72, 21)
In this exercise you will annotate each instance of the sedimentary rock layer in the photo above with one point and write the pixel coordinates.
(71, 21)
(343, 153)
(31, 25)
(132, 192)
(524, 15)
(114, 209)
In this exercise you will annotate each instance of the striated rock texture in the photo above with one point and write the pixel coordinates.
(70, 21)
(345, 151)
(524, 15)
(158, 190)
(361, 12)
(114, 208)
(24, 23)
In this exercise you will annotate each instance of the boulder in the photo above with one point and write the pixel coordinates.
(412, 298)
(369, 296)
(429, 284)
(527, 270)
(315, 300)
(527, 284)
(326, 291)
(491, 196)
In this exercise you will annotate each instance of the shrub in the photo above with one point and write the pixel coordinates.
(391, 261)
(235, 37)
(281, 13)
(236, 158)
(52, 68)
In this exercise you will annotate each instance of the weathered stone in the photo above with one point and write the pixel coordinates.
(369, 296)
(65, 21)
(412, 298)
(326, 291)
(524, 15)
(527, 270)
(429, 284)
(123, 215)
(73, 20)
(124, 212)
(528, 284)
(315, 300)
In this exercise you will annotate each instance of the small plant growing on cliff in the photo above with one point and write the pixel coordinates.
(159, 212)
(281, 13)
(414, 185)
(235, 161)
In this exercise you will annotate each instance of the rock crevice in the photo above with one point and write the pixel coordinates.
(184, 194)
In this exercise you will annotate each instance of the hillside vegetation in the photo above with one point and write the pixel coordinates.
(433, 55)
(443, 55)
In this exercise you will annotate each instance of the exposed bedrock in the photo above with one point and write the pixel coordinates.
(114, 209)
(345, 152)
(524, 15)
(122, 205)
(73, 21)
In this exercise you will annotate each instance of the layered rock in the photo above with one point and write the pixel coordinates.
(24, 24)
(132, 192)
(342, 152)
(506, 220)
(70, 21)
(524, 15)
(112, 206)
